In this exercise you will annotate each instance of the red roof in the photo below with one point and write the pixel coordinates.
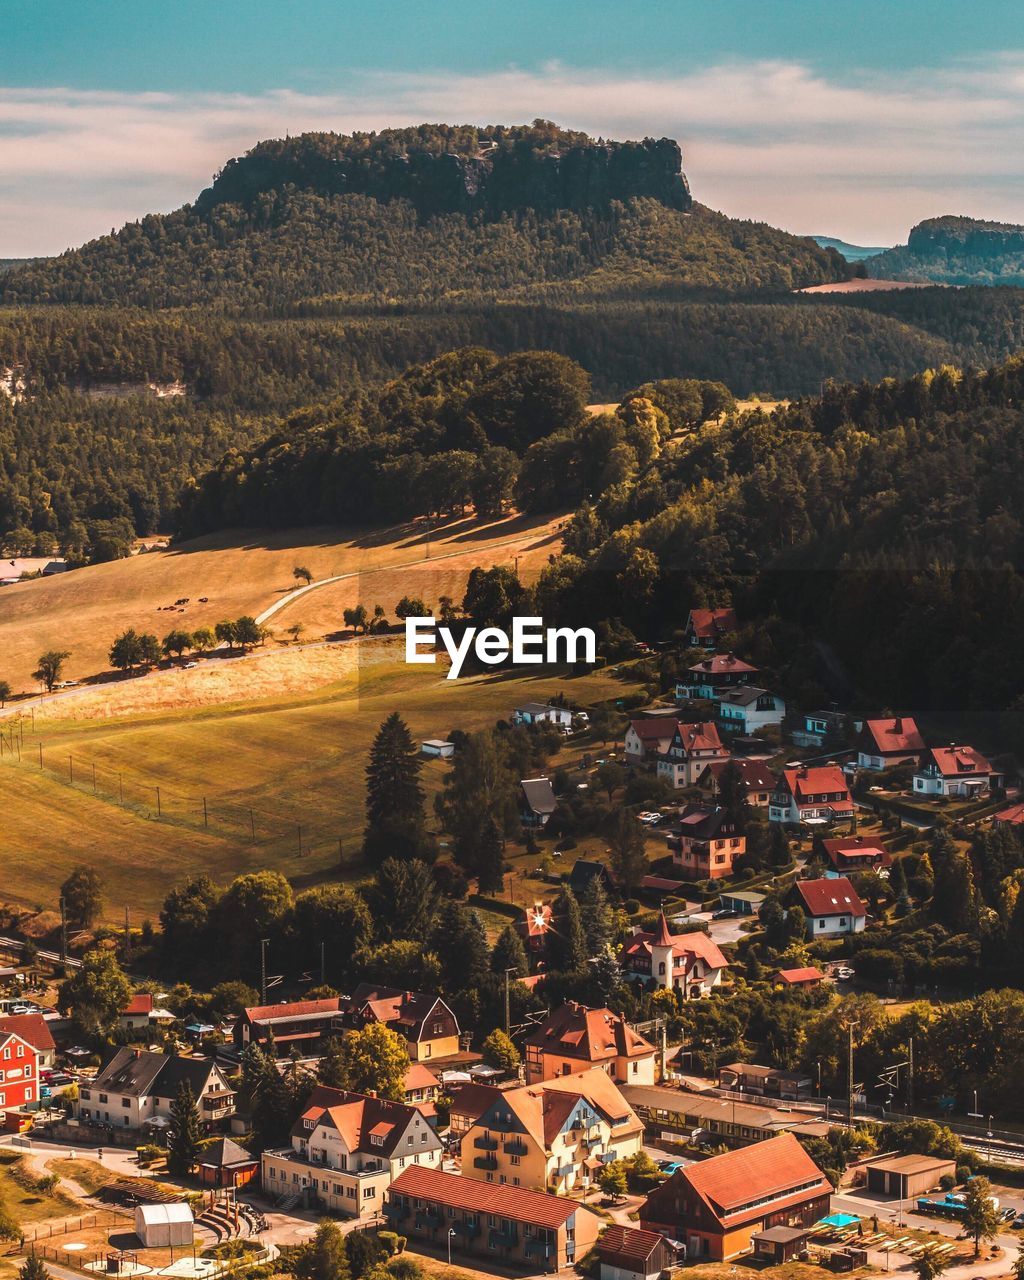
(708, 623)
(591, 1035)
(778, 1169)
(721, 664)
(627, 1244)
(536, 920)
(534, 1207)
(899, 736)
(953, 762)
(823, 780)
(702, 736)
(1013, 816)
(856, 848)
(754, 774)
(31, 1027)
(653, 728)
(296, 1009)
(796, 977)
(138, 1005)
(836, 897)
(695, 945)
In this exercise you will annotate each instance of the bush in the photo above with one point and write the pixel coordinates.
(389, 1239)
(963, 1172)
(631, 906)
(947, 1182)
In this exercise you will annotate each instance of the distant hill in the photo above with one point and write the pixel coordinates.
(9, 264)
(956, 250)
(430, 213)
(851, 252)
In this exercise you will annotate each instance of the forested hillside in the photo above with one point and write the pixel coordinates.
(953, 250)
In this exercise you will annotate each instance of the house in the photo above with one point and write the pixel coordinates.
(754, 777)
(855, 853)
(427, 1024)
(706, 842)
(297, 1022)
(648, 736)
(807, 977)
(573, 1038)
(883, 744)
(628, 1254)
(1013, 816)
(541, 713)
(34, 1030)
(552, 1136)
(686, 962)
(141, 1014)
(505, 1224)
(536, 801)
(19, 1072)
(469, 1103)
(346, 1149)
(908, 1176)
(955, 771)
(691, 748)
(749, 709)
(711, 676)
(766, 1082)
(705, 627)
(12, 571)
(831, 906)
(533, 926)
(823, 729)
(135, 1088)
(226, 1164)
(164, 1225)
(422, 1089)
(816, 795)
(716, 1206)
(584, 870)
(437, 748)
(715, 1120)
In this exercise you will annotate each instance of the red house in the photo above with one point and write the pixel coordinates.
(818, 795)
(885, 743)
(19, 1073)
(704, 627)
(856, 853)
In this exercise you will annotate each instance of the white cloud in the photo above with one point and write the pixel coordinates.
(772, 140)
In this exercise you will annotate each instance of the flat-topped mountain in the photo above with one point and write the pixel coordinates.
(956, 250)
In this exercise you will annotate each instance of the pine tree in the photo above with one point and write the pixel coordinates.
(395, 824)
(567, 943)
(628, 859)
(509, 953)
(33, 1269)
(732, 794)
(185, 1133)
(460, 943)
(779, 851)
(325, 1257)
(490, 858)
(898, 884)
(481, 786)
(596, 912)
(954, 897)
(605, 978)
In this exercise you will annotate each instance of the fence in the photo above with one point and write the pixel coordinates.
(83, 1222)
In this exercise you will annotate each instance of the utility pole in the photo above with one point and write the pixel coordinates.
(127, 933)
(323, 963)
(508, 1014)
(910, 1075)
(206, 816)
(63, 929)
(158, 802)
(853, 1087)
(263, 970)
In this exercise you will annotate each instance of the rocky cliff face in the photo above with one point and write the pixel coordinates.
(954, 250)
(965, 237)
(491, 171)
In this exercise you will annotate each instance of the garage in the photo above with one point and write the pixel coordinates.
(905, 1176)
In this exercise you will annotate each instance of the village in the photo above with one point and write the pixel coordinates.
(611, 1137)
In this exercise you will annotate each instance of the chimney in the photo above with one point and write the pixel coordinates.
(371, 1093)
(897, 725)
(136, 1053)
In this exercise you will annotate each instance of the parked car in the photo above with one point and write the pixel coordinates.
(844, 973)
(724, 913)
(669, 1167)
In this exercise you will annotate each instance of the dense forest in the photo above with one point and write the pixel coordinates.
(954, 250)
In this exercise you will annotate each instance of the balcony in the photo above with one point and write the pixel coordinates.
(215, 1106)
(517, 1147)
(485, 1143)
(485, 1162)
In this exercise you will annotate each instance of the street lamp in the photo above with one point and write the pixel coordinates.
(989, 1133)
(451, 1236)
(828, 1101)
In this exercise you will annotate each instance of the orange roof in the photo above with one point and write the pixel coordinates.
(856, 847)
(591, 1035)
(419, 1077)
(795, 977)
(702, 736)
(722, 664)
(730, 1183)
(139, 1004)
(542, 1109)
(708, 623)
(815, 781)
(692, 945)
(537, 919)
(1014, 815)
(473, 1196)
(296, 1009)
(954, 761)
(890, 737)
(629, 1245)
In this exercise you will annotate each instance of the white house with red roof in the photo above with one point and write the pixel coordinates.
(19, 1072)
(832, 907)
(882, 744)
(690, 963)
(817, 795)
(955, 771)
(691, 749)
(705, 627)
(755, 778)
(720, 671)
(648, 736)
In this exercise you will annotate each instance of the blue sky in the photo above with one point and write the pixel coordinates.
(825, 116)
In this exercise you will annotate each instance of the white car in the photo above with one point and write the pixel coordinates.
(844, 973)
(190, 665)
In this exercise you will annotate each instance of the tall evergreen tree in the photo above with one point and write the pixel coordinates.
(628, 857)
(480, 787)
(184, 1134)
(779, 851)
(490, 858)
(395, 824)
(509, 953)
(404, 899)
(567, 943)
(596, 913)
(732, 794)
(955, 896)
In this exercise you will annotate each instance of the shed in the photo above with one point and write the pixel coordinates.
(747, 902)
(630, 1254)
(226, 1164)
(906, 1176)
(779, 1244)
(439, 748)
(160, 1225)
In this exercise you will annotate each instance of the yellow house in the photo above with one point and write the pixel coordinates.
(552, 1136)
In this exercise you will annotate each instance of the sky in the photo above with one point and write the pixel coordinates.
(853, 118)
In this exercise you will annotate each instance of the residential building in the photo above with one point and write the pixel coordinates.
(427, 1024)
(541, 713)
(955, 771)
(628, 1254)
(705, 843)
(883, 744)
(422, 1090)
(1012, 816)
(469, 1103)
(716, 1206)
(754, 777)
(688, 962)
(533, 926)
(19, 1072)
(691, 748)
(647, 737)
(745, 902)
(584, 870)
(831, 906)
(816, 795)
(33, 1028)
(766, 1082)
(135, 1088)
(715, 1120)
(536, 801)
(779, 1245)
(296, 1022)
(823, 730)
(805, 977)
(854, 853)
(141, 1013)
(573, 1038)
(712, 676)
(749, 709)
(346, 1149)
(552, 1136)
(705, 627)
(505, 1224)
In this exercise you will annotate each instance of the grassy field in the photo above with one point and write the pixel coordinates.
(237, 786)
(84, 610)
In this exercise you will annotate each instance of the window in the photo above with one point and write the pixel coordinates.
(821, 924)
(427, 1049)
(126, 1102)
(367, 1193)
(103, 1097)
